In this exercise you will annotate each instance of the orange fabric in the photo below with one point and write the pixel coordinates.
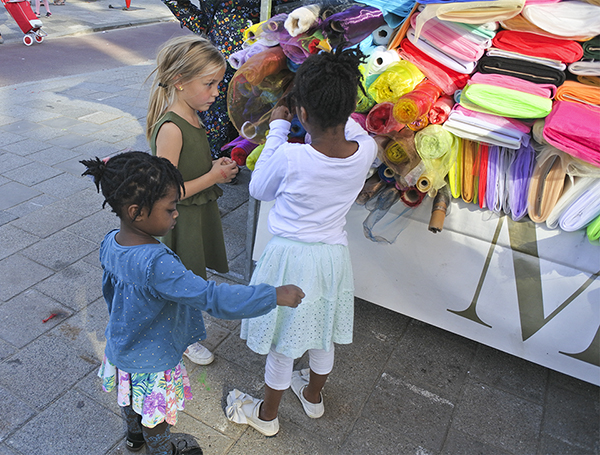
(579, 93)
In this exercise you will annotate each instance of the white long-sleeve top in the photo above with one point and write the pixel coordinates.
(312, 192)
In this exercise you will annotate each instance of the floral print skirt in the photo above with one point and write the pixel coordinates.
(155, 396)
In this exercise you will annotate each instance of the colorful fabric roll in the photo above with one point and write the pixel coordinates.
(238, 58)
(585, 68)
(594, 81)
(567, 51)
(416, 103)
(495, 180)
(593, 230)
(573, 128)
(470, 170)
(529, 71)
(591, 49)
(438, 149)
(518, 178)
(514, 83)
(547, 183)
(380, 59)
(380, 119)
(302, 19)
(411, 196)
(565, 18)
(399, 78)
(440, 110)
(455, 172)
(579, 93)
(454, 63)
(583, 210)
(482, 174)
(352, 25)
(569, 196)
(263, 64)
(519, 23)
(400, 155)
(442, 76)
(504, 102)
(556, 64)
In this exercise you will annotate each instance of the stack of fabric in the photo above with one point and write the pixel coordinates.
(498, 99)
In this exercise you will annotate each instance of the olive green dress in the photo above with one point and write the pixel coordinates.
(198, 236)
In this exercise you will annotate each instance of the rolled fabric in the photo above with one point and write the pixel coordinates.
(470, 169)
(529, 71)
(556, 64)
(380, 119)
(438, 149)
(593, 230)
(594, 81)
(518, 178)
(482, 174)
(504, 102)
(297, 130)
(302, 19)
(454, 41)
(400, 154)
(579, 93)
(419, 123)
(455, 172)
(488, 128)
(565, 18)
(584, 68)
(353, 24)
(442, 76)
(380, 59)
(495, 179)
(240, 152)
(591, 48)
(381, 35)
(253, 157)
(583, 210)
(569, 196)
(257, 67)
(574, 166)
(567, 51)
(514, 83)
(573, 128)
(416, 103)
(399, 78)
(547, 183)
(386, 174)
(298, 48)
(454, 63)
(485, 31)
(411, 196)
(360, 118)
(238, 58)
(373, 185)
(440, 110)
(439, 210)
(520, 23)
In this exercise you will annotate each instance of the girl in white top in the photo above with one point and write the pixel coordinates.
(313, 186)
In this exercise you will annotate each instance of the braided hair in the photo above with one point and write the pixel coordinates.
(133, 178)
(327, 84)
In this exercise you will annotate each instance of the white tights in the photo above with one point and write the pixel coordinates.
(37, 6)
(278, 368)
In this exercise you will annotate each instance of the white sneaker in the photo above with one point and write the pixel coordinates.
(299, 382)
(243, 408)
(199, 354)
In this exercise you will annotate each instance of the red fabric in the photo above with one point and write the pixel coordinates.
(534, 45)
(483, 165)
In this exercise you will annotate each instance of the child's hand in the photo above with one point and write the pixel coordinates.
(224, 170)
(281, 112)
(289, 295)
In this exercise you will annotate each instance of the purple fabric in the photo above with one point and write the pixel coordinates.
(519, 176)
(353, 24)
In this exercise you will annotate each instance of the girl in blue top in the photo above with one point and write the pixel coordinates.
(154, 303)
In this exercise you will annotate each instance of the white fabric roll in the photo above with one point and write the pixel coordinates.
(566, 18)
(584, 68)
(382, 35)
(568, 197)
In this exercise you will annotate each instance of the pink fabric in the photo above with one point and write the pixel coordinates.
(380, 119)
(514, 83)
(441, 110)
(574, 128)
(502, 122)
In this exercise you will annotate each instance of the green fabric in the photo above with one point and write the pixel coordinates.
(505, 102)
(593, 230)
(198, 236)
(591, 48)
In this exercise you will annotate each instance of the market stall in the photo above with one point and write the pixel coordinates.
(481, 214)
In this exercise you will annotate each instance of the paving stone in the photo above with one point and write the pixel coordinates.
(28, 311)
(20, 127)
(499, 418)
(28, 145)
(6, 217)
(70, 141)
(62, 185)
(95, 227)
(91, 385)
(46, 221)
(14, 414)
(49, 369)
(32, 173)
(31, 205)
(5, 450)
(13, 239)
(7, 139)
(59, 250)
(100, 117)
(75, 286)
(197, 433)
(9, 161)
(6, 349)
(80, 428)
(234, 231)
(18, 273)
(83, 203)
(14, 193)
(53, 155)
(458, 442)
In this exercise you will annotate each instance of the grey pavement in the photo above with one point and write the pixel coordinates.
(402, 386)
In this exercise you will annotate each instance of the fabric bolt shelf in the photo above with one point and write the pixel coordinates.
(416, 103)
(526, 70)
(567, 51)
(573, 128)
(442, 76)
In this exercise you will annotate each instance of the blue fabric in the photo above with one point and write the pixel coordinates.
(155, 305)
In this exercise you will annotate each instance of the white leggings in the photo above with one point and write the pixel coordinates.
(278, 369)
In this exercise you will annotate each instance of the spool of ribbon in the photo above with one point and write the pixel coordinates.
(546, 186)
(440, 110)
(448, 80)
(567, 51)
(380, 119)
(583, 210)
(579, 93)
(439, 210)
(573, 128)
(416, 103)
(399, 78)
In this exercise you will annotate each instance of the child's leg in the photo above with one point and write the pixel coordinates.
(37, 7)
(278, 376)
(321, 364)
(158, 439)
(47, 6)
(135, 438)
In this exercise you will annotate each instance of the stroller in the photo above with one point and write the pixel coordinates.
(21, 12)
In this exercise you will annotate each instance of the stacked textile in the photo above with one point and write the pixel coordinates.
(497, 99)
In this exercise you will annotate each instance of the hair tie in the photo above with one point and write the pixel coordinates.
(160, 84)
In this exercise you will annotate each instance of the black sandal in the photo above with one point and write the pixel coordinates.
(134, 441)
